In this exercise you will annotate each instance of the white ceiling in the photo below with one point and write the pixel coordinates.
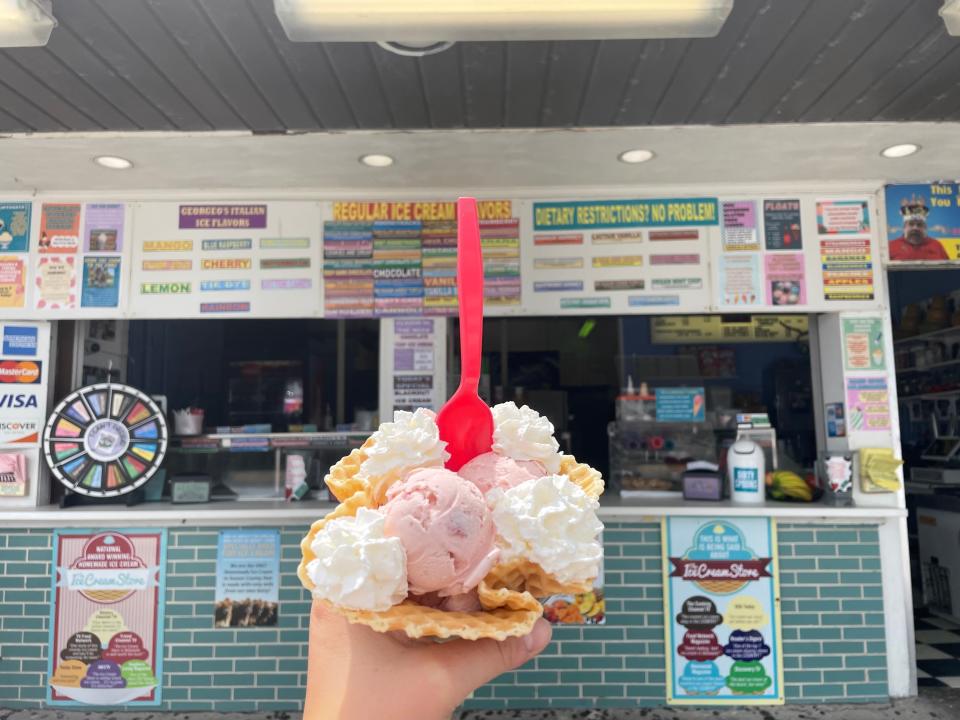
(485, 162)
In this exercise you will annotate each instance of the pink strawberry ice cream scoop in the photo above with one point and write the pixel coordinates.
(492, 470)
(446, 530)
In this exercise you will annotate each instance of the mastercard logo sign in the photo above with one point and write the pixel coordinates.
(26, 372)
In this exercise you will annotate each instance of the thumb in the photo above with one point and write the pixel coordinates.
(471, 663)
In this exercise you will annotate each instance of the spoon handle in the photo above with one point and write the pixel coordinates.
(469, 292)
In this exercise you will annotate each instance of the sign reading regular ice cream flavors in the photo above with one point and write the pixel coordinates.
(722, 607)
(106, 619)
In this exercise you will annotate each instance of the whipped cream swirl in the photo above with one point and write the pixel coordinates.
(357, 566)
(524, 434)
(552, 522)
(411, 441)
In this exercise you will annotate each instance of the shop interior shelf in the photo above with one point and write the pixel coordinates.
(931, 395)
(928, 335)
(932, 366)
(264, 442)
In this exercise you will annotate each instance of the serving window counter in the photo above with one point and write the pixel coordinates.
(645, 390)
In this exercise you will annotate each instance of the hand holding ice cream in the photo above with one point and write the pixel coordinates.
(417, 547)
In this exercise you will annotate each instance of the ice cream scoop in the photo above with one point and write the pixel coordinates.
(446, 530)
(493, 470)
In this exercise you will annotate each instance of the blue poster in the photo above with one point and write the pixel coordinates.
(248, 578)
(20, 340)
(722, 611)
(15, 226)
(923, 222)
(681, 404)
(101, 282)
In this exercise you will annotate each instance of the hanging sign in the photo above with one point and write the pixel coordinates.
(722, 608)
(106, 625)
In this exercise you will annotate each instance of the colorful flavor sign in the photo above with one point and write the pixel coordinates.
(922, 223)
(382, 259)
(15, 226)
(722, 608)
(106, 618)
(248, 578)
(585, 215)
(847, 267)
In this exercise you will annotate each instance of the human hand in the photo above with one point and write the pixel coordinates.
(355, 673)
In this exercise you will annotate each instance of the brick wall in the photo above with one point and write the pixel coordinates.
(833, 634)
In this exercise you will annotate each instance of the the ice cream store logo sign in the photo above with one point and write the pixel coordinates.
(720, 561)
(722, 611)
(105, 646)
(109, 570)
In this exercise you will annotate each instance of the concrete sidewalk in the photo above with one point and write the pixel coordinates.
(933, 703)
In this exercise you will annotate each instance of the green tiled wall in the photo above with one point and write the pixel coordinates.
(833, 633)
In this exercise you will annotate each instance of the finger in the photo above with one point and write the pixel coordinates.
(471, 663)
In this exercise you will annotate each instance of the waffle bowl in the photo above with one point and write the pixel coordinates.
(508, 594)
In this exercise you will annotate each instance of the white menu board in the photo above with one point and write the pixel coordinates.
(226, 259)
(637, 256)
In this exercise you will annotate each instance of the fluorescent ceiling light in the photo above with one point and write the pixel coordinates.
(419, 21)
(25, 23)
(900, 151)
(632, 157)
(950, 12)
(113, 162)
(376, 160)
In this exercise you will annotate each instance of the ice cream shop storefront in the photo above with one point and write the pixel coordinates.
(180, 371)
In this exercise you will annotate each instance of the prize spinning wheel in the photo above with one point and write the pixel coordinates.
(105, 440)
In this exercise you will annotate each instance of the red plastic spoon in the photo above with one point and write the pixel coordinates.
(465, 421)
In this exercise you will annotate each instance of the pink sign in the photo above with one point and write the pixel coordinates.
(105, 635)
(785, 283)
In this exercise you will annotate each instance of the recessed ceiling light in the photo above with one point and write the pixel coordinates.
(899, 151)
(377, 161)
(633, 157)
(113, 162)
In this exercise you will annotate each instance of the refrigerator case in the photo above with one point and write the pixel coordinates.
(939, 541)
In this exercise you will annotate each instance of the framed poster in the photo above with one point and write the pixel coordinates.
(722, 611)
(106, 618)
(923, 223)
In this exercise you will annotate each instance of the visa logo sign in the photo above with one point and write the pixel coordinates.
(17, 400)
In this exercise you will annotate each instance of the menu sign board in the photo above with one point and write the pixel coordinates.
(722, 608)
(696, 329)
(106, 619)
(385, 259)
